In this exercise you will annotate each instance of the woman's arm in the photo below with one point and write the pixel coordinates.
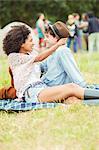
(48, 52)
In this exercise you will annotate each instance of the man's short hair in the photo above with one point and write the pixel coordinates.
(15, 38)
(90, 14)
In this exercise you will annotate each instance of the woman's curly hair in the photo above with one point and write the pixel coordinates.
(15, 38)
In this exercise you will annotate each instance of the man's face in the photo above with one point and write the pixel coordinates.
(28, 45)
(50, 39)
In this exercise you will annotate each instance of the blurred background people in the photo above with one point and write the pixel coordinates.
(85, 30)
(73, 32)
(79, 31)
(41, 29)
(93, 30)
(46, 23)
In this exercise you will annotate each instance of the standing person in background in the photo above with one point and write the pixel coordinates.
(79, 31)
(46, 23)
(41, 29)
(85, 30)
(93, 30)
(73, 33)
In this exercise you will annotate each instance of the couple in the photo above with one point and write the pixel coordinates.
(57, 62)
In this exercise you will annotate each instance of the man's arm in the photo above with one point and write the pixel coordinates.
(83, 25)
(48, 52)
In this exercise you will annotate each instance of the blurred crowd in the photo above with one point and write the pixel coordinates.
(84, 32)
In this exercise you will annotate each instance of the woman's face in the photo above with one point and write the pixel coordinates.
(28, 45)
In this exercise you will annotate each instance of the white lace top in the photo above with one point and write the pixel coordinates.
(25, 70)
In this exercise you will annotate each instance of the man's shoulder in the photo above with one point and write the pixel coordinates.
(62, 49)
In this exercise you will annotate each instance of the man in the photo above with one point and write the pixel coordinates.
(93, 29)
(73, 32)
(59, 68)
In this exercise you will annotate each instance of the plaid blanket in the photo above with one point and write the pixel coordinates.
(24, 106)
(93, 86)
(18, 106)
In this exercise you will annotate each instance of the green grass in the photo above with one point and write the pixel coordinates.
(4, 74)
(61, 128)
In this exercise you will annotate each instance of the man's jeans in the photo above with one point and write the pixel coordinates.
(93, 42)
(69, 41)
(61, 68)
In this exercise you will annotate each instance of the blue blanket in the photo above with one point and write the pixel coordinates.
(15, 105)
(24, 106)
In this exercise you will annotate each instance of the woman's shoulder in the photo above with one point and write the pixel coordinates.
(13, 56)
(15, 59)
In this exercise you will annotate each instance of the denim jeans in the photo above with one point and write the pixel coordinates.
(74, 43)
(32, 91)
(60, 68)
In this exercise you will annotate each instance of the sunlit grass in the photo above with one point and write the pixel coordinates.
(75, 128)
(4, 74)
(89, 66)
(61, 128)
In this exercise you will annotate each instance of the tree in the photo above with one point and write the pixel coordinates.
(26, 10)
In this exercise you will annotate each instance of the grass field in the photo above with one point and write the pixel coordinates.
(72, 128)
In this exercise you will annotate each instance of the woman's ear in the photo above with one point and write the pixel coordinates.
(22, 46)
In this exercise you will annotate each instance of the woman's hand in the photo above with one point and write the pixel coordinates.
(48, 52)
(62, 41)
